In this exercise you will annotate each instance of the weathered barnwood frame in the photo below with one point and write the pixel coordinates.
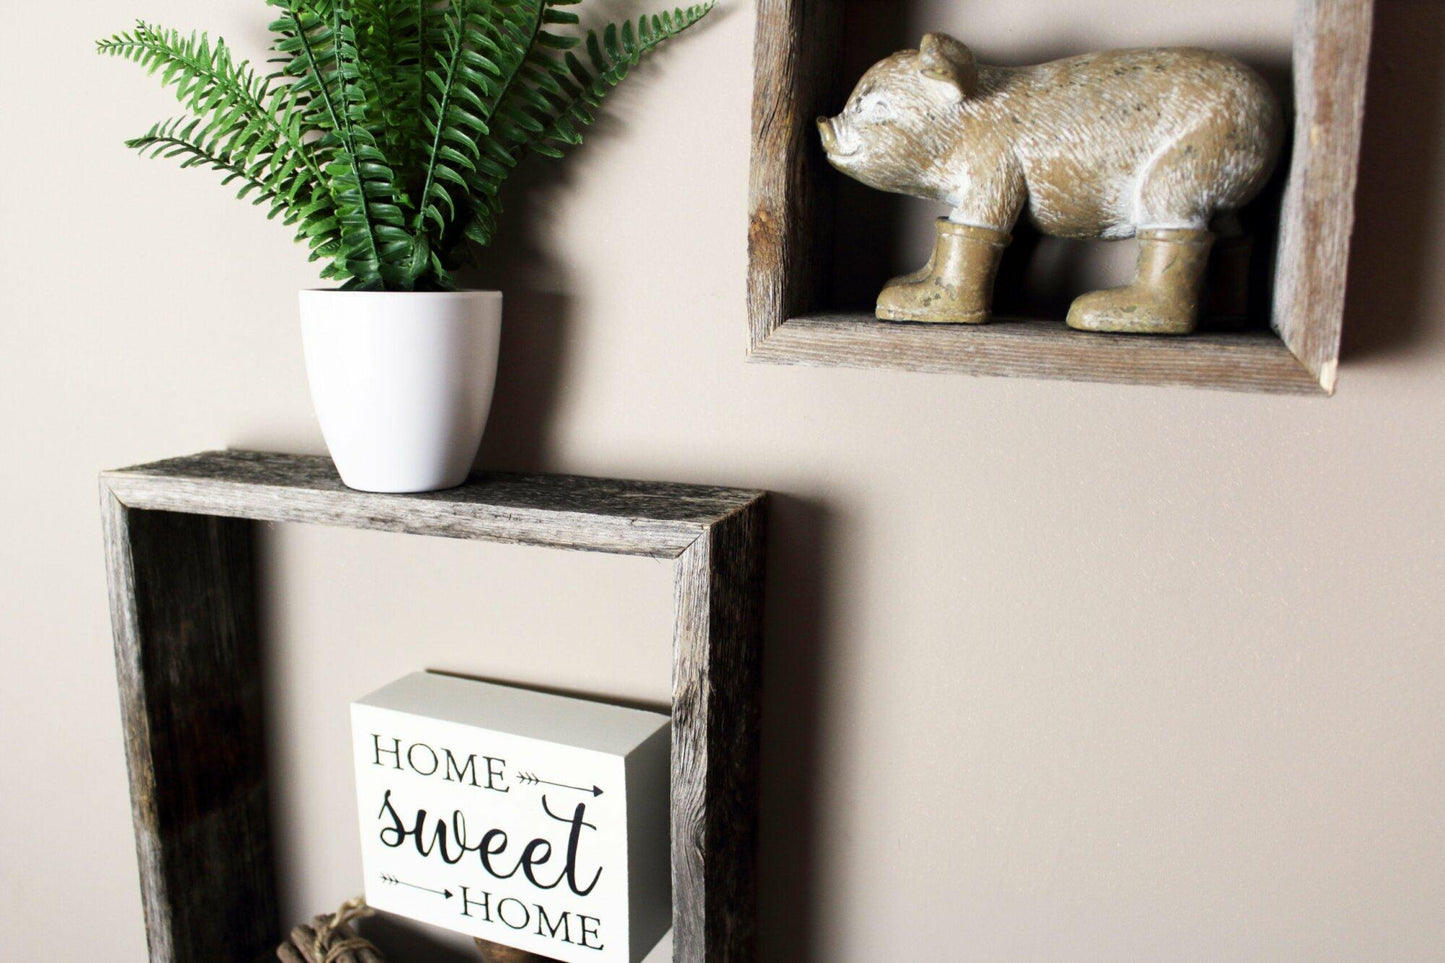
(797, 43)
(178, 538)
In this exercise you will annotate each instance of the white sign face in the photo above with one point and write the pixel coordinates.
(530, 820)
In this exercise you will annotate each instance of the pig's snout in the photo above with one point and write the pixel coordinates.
(829, 135)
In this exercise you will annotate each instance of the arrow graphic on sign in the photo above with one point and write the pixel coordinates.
(392, 880)
(532, 779)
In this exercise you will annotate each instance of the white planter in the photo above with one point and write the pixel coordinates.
(402, 382)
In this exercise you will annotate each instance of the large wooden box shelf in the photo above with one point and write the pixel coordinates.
(790, 320)
(183, 608)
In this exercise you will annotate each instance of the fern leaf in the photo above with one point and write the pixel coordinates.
(468, 78)
(290, 192)
(547, 113)
(389, 38)
(387, 128)
(565, 103)
(303, 41)
(209, 82)
(362, 181)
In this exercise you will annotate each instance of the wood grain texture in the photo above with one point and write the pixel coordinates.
(1331, 54)
(716, 663)
(791, 204)
(591, 514)
(1250, 361)
(188, 668)
(794, 62)
(180, 563)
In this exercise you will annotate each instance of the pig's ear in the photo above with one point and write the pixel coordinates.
(940, 57)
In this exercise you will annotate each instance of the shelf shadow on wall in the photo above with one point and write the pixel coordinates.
(1400, 158)
(794, 642)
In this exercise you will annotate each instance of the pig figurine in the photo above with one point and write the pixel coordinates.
(1153, 144)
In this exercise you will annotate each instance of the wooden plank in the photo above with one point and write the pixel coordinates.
(1331, 54)
(622, 517)
(188, 669)
(794, 59)
(1247, 361)
(715, 712)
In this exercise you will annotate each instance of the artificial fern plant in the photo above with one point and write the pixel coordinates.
(389, 126)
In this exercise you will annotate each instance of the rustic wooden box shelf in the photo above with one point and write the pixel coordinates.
(795, 80)
(179, 554)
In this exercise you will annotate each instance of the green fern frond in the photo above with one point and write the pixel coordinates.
(260, 120)
(303, 40)
(558, 99)
(288, 189)
(388, 127)
(463, 79)
(381, 253)
(389, 49)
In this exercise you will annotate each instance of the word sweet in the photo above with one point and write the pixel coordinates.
(450, 840)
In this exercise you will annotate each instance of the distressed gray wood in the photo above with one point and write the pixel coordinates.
(1245, 361)
(794, 64)
(188, 668)
(716, 680)
(1331, 55)
(179, 557)
(592, 514)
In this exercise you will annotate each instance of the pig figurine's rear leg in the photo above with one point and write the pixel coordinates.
(1164, 297)
(1176, 198)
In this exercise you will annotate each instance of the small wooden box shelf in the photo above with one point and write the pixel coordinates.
(795, 67)
(179, 554)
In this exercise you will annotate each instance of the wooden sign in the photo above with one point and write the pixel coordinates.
(532, 820)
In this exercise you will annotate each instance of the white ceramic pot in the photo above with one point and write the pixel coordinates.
(402, 382)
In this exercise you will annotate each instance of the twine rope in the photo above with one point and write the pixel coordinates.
(329, 952)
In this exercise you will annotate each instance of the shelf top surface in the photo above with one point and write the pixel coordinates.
(1241, 360)
(597, 514)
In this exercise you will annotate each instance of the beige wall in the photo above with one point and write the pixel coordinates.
(1054, 671)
